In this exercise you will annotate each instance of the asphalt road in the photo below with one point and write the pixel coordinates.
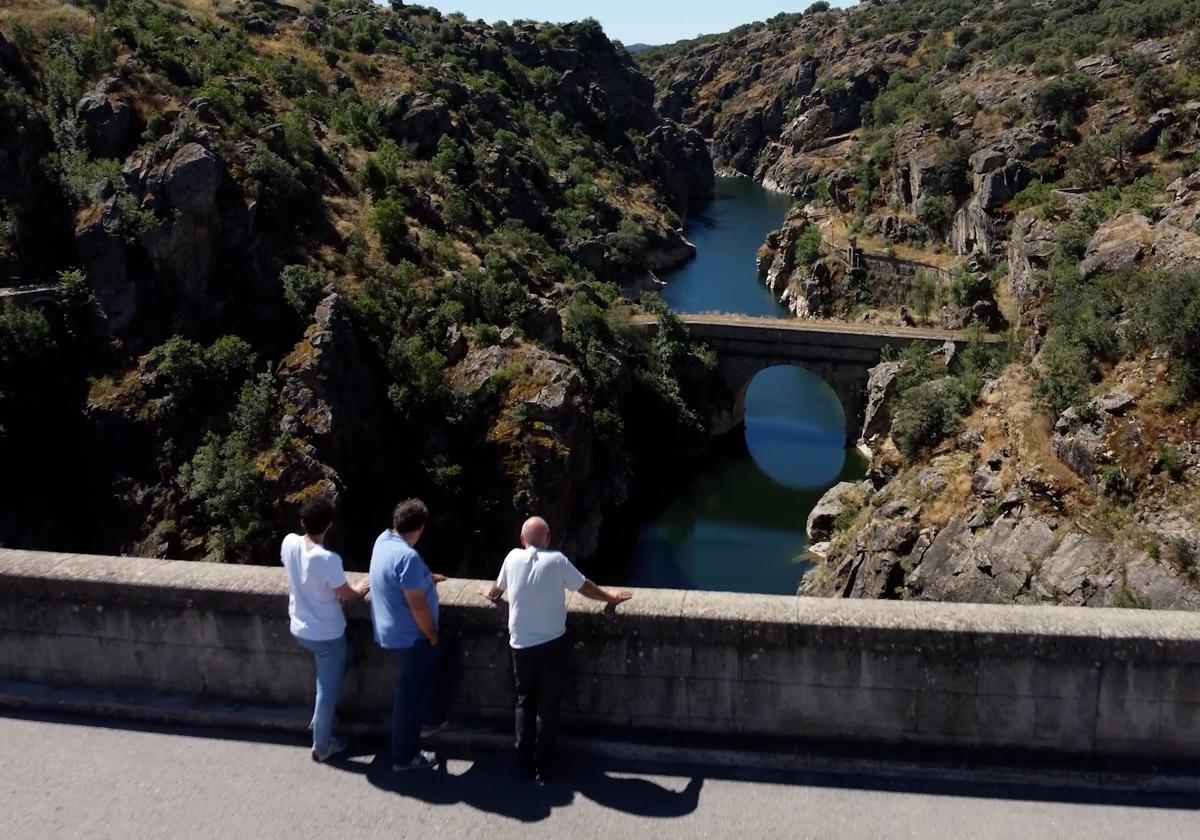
(68, 779)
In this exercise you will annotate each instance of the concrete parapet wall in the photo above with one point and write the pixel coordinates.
(1089, 681)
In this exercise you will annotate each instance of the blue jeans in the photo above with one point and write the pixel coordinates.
(329, 657)
(424, 683)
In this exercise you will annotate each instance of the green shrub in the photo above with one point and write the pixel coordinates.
(452, 155)
(303, 287)
(924, 415)
(275, 184)
(228, 360)
(1171, 462)
(25, 345)
(1037, 194)
(390, 220)
(1167, 315)
(807, 248)
(1069, 93)
(235, 509)
(936, 212)
(1125, 598)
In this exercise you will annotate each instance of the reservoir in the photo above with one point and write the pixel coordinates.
(737, 522)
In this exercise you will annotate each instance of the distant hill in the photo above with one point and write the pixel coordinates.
(637, 48)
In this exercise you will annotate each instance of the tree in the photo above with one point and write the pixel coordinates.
(923, 294)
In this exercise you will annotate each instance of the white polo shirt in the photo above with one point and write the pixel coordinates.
(536, 581)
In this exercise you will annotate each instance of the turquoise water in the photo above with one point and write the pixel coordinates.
(738, 523)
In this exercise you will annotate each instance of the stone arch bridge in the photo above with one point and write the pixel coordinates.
(841, 353)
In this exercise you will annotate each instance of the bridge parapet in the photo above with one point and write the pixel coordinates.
(1087, 681)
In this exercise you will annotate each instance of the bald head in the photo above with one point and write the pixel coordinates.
(535, 533)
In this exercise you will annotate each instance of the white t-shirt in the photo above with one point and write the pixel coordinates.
(537, 581)
(313, 572)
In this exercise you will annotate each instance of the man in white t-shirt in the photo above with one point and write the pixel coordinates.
(536, 581)
(317, 588)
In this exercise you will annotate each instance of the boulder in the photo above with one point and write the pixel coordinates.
(998, 186)
(876, 571)
(1174, 249)
(1118, 245)
(542, 322)
(108, 122)
(985, 483)
(332, 396)
(1067, 576)
(881, 384)
(829, 507)
(987, 159)
(991, 565)
(422, 119)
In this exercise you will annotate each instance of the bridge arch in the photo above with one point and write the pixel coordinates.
(849, 385)
(840, 353)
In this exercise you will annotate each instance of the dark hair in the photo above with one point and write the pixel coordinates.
(409, 515)
(316, 515)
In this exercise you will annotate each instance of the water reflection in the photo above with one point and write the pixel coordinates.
(739, 524)
(795, 428)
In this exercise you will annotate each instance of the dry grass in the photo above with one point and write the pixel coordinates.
(45, 16)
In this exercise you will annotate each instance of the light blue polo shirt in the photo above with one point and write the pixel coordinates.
(395, 567)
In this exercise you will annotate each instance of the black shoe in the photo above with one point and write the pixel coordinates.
(543, 778)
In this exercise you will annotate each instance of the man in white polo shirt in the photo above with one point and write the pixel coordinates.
(536, 581)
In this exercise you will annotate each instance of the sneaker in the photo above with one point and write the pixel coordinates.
(423, 760)
(335, 746)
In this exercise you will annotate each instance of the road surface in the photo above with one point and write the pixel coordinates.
(67, 778)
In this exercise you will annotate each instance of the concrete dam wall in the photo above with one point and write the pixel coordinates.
(1085, 681)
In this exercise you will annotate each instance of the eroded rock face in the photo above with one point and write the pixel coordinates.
(329, 396)
(546, 444)
(1118, 245)
(1079, 436)
(193, 225)
(678, 157)
(994, 567)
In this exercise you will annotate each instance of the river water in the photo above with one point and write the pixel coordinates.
(738, 523)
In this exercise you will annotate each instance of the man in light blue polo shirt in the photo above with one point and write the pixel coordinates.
(404, 610)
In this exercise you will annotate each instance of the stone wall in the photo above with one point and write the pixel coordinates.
(1076, 680)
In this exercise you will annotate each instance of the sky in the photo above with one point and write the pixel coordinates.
(632, 21)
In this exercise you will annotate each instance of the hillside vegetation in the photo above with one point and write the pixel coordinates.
(1031, 168)
(282, 250)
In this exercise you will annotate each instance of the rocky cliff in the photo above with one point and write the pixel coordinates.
(987, 166)
(334, 248)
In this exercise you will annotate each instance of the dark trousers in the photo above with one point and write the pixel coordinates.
(425, 676)
(539, 673)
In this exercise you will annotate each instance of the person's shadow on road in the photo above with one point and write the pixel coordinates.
(491, 786)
